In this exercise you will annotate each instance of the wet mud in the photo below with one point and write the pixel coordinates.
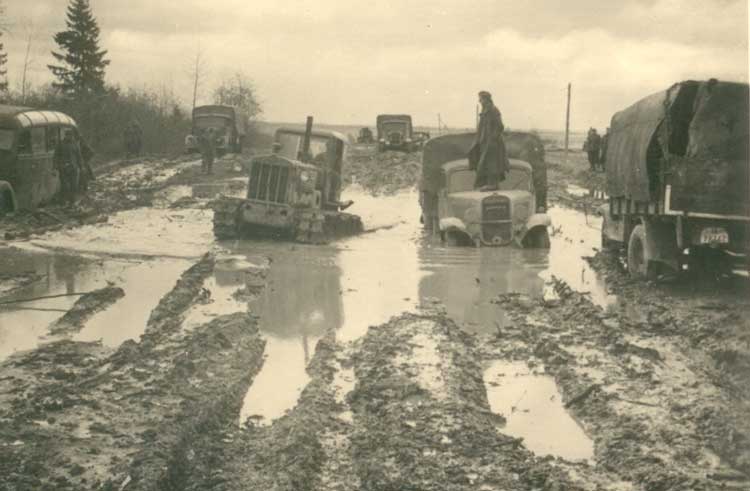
(383, 361)
(79, 415)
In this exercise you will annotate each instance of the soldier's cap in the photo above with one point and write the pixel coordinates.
(484, 93)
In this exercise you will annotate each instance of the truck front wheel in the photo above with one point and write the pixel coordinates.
(639, 254)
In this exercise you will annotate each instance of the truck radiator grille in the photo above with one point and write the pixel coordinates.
(268, 183)
(495, 208)
(497, 227)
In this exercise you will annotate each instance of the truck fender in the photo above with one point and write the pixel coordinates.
(452, 223)
(612, 230)
(7, 198)
(538, 220)
(535, 224)
(661, 242)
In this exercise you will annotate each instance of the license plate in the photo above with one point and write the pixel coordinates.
(714, 235)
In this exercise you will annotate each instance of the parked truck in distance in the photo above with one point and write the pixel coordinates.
(229, 124)
(395, 132)
(365, 136)
(678, 180)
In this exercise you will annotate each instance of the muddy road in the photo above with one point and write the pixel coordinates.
(154, 357)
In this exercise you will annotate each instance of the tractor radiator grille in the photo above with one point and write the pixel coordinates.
(268, 182)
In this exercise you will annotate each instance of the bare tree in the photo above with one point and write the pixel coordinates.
(29, 35)
(239, 91)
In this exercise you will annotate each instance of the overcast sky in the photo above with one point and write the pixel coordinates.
(345, 61)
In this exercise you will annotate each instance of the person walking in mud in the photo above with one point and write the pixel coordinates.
(68, 162)
(208, 151)
(487, 155)
(592, 146)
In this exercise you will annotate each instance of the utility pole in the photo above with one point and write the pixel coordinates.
(567, 126)
(439, 128)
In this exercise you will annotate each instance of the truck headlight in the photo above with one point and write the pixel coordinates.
(304, 176)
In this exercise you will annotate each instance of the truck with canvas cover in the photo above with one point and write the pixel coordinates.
(293, 193)
(228, 122)
(28, 139)
(678, 180)
(462, 215)
(395, 132)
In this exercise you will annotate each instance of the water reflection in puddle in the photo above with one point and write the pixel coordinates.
(533, 409)
(23, 327)
(364, 281)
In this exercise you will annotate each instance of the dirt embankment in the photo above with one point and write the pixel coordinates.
(385, 172)
(147, 415)
(120, 185)
(659, 383)
(572, 183)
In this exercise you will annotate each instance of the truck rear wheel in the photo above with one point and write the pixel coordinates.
(639, 255)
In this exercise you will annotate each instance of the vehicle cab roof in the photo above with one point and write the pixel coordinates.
(26, 117)
(314, 133)
(462, 164)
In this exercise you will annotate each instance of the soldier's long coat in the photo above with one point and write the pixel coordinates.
(487, 155)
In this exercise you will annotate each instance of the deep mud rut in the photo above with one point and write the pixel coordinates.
(382, 362)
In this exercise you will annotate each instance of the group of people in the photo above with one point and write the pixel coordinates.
(72, 161)
(595, 147)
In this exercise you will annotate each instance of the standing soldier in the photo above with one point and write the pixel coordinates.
(208, 150)
(487, 155)
(593, 147)
(533, 153)
(86, 173)
(68, 162)
(137, 136)
(603, 152)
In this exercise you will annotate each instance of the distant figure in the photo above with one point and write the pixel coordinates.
(487, 155)
(533, 153)
(68, 162)
(592, 146)
(603, 151)
(86, 173)
(208, 150)
(133, 138)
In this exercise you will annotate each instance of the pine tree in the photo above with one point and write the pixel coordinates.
(81, 63)
(3, 54)
(3, 70)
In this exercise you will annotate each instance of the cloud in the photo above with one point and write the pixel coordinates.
(347, 61)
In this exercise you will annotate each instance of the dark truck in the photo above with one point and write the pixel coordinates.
(293, 193)
(365, 136)
(229, 123)
(395, 132)
(678, 180)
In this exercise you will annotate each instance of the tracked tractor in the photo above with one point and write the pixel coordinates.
(293, 193)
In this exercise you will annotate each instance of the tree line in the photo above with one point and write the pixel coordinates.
(103, 110)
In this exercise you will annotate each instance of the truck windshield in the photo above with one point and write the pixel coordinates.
(6, 139)
(211, 122)
(394, 127)
(463, 180)
(291, 144)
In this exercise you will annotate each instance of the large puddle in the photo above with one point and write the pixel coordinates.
(342, 288)
(533, 410)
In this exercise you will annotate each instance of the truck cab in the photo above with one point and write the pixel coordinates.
(28, 138)
(229, 125)
(395, 132)
(462, 215)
